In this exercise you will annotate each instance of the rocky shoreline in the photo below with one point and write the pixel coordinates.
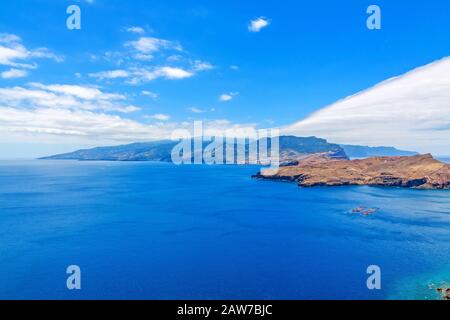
(418, 172)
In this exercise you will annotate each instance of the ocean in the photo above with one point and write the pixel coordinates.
(145, 230)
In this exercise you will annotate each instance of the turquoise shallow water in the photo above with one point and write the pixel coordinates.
(158, 231)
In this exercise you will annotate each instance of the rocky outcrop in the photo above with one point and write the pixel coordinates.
(444, 292)
(420, 172)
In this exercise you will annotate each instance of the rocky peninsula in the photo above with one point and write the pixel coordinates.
(444, 292)
(419, 171)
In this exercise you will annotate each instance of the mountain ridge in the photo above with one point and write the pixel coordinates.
(356, 151)
(292, 150)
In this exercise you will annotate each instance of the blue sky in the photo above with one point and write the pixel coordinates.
(310, 55)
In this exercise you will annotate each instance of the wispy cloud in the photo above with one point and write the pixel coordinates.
(14, 54)
(196, 110)
(159, 117)
(174, 58)
(82, 92)
(86, 127)
(136, 30)
(199, 65)
(112, 74)
(42, 112)
(150, 94)
(57, 96)
(139, 64)
(14, 73)
(411, 111)
(148, 45)
(143, 57)
(62, 113)
(170, 73)
(142, 75)
(257, 24)
(49, 124)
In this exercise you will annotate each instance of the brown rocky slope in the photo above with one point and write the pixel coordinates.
(420, 171)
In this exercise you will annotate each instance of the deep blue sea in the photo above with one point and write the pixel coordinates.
(158, 231)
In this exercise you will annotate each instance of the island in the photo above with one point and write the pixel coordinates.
(292, 150)
(419, 172)
(308, 161)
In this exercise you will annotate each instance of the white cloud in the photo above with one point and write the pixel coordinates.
(234, 67)
(258, 24)
(159, 116)
(134, 65)
(148, 45)
(14, 54)
(227, 96)
(7, 38)
(44, 53)
(49, 125)
(411, 111)
(58, 96)
(11, 50)
(82, 92)
(136, 29)
(172, 73)
(202, 65)
(140, 75)
(112, 74)
(73, 114)
(14, 73)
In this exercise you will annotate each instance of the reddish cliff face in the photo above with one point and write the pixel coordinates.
(421, 171)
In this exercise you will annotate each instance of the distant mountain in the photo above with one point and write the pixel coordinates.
(148, 151)
(365, 152)
(310, 145)
(291, 149)
(294, 149)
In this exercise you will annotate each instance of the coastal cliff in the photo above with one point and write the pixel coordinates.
(420, 171)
